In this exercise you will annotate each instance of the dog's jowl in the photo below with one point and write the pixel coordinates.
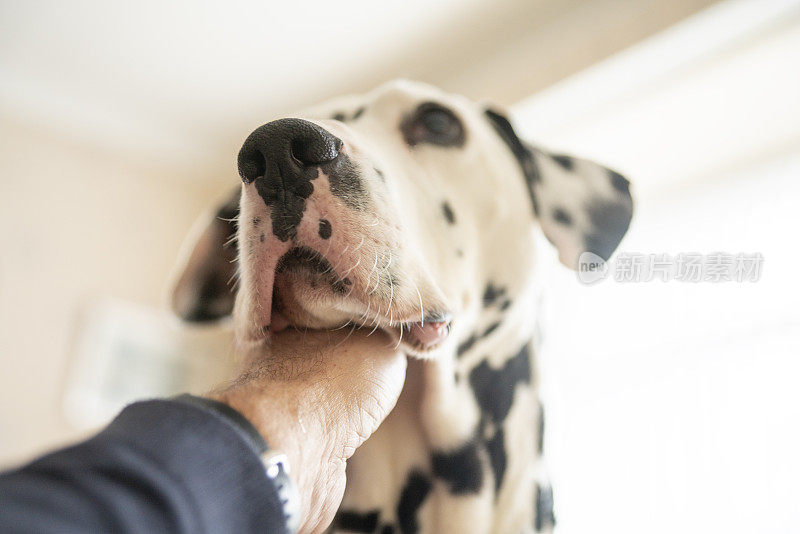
(415, 212)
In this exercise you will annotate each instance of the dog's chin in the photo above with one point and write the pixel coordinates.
(415, 337)
(306, 297)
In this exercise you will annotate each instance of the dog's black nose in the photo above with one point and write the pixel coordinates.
(285, 148)
(281, 159)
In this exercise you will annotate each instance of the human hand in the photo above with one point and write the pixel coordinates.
(317, 396)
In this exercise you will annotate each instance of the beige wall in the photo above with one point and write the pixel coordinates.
(76, 224)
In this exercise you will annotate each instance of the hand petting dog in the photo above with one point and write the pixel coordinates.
(317, 396)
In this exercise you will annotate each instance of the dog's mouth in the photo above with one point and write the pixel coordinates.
(308, 292)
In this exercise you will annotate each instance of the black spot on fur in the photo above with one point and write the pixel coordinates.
(520, 150)
(359, 112)
(448, 213)
(339, 116)
(494, 391)
(347, 282)
(618, 181)
(609, 222)
(412, 497)
(325, 229)
(345, 182)
(339, 287)
(286, 215)
(460, 468)
(256, 221)
(496, 447)
(562, 217)
(491, 328)
(505, 305)
(494, 388)
(540, 436)
(535, 202)
(566, 162)
(380, 174)
(491, 294)
(262, 237)
(468, 343)
(365, 522)
(544, 508)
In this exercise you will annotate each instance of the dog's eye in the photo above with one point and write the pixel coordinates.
(435, 124)
(439, 121)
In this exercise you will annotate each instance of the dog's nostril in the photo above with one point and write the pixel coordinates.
(252, 165)
(283, 148)
(315, 149)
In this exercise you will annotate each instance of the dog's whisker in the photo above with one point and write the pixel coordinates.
(421, 309)
(399, 341)
(374, 268)
(377, 282)
(359, 244)
(363, 319)
(230, 240)
(391, 298)
(348, 271)
(377, 324)
(341, 258)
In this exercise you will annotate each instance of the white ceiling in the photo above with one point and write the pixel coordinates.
(155, 67)
(175, 58)
(180, 83)
(707, 97)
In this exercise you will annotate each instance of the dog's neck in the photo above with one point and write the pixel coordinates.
(488, 350)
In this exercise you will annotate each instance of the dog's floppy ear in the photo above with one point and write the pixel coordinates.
(203, 290)
(582, 206)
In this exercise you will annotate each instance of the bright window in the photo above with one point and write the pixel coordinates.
(674, 407)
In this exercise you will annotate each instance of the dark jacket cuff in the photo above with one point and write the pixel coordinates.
(215, 473)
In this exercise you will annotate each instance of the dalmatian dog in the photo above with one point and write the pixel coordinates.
(415, 212)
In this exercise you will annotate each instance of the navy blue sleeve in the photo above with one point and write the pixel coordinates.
(160, 466)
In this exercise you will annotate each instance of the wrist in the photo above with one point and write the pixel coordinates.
(242, 425)
(274, 461)
(289, 428)
(282, 423)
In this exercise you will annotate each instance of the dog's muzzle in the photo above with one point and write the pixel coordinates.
(280, 160)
